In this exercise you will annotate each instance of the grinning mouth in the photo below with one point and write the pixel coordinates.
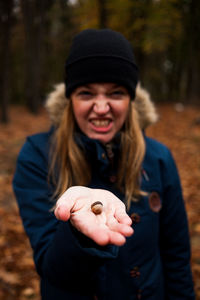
(100, 123)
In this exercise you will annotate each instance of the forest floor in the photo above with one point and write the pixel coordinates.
(178, 128)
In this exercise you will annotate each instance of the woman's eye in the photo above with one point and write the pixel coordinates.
(117, 94)
(85, 94)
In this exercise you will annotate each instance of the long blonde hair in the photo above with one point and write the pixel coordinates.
(68, 165)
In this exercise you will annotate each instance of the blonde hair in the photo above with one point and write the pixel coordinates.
(67, 157)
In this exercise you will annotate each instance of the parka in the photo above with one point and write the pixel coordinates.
(153, 264)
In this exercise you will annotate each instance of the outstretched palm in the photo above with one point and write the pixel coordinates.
(109, 227)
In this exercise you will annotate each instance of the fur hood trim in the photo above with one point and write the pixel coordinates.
(56, 101)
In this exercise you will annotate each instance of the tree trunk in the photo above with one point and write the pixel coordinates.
(102, 13)
(193, 61)
(34, 16)
(6, 23)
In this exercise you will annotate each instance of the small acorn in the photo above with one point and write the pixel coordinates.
(97, 207)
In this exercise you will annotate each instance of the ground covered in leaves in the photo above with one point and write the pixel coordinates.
(178, 128)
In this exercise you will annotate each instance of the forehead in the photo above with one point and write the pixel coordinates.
(101, 86)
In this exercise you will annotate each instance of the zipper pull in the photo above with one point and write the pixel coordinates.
(145, 175)
(109, 151)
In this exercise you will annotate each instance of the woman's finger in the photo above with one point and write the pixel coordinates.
(116, 238)
(64, 205)
(104, 236)
(114, 225)
(121, 216)
(62, 212)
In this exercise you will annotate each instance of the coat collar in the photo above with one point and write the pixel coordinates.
(95, 149)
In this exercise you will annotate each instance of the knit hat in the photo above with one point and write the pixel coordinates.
(100, 55)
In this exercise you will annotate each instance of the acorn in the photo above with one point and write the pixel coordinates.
(97, 207)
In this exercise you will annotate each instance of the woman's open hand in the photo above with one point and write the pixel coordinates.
(109, 227)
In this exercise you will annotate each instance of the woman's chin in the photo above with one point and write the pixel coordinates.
(103, 138)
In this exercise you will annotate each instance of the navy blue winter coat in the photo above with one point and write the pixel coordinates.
(154, 263)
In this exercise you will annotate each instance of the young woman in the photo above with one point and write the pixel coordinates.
(118, 227)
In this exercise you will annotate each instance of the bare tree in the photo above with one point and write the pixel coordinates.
(6, 8)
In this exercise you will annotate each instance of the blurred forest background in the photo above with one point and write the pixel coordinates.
(35, 36)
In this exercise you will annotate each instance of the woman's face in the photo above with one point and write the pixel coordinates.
(100, 109)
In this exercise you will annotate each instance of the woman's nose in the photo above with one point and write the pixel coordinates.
(101, 105)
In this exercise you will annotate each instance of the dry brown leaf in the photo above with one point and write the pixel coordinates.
(9, 277)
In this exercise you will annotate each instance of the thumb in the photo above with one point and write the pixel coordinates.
(64, 205)
(62, 212)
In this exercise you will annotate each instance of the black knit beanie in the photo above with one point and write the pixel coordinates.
(100, 55)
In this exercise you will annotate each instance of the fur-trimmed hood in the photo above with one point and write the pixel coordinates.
(56, 102)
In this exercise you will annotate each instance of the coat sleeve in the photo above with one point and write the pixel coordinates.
(174, 236)
(59, 250)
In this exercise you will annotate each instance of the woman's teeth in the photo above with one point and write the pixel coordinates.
(100, 123)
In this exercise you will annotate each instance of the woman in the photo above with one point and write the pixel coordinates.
(96, 156)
